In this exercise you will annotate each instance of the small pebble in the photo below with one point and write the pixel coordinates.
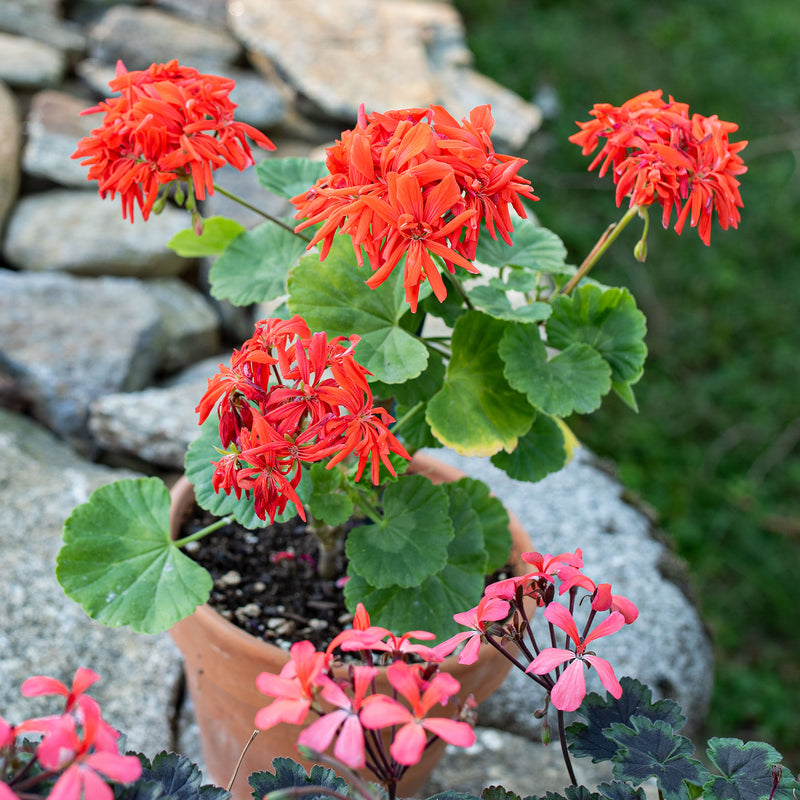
(273, 623)
(317, 624)
(192, 547)
(231, 578)
(259, 586)
(251, 610)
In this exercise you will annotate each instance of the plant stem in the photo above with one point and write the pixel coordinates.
(220, 523)
(564, 750)
(241, 758)
(602, 244)
(249, 207)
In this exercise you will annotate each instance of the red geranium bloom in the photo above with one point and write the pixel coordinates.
(490, 609)
(414, 184)
(661, 155)
(169, 122)
(291, 398)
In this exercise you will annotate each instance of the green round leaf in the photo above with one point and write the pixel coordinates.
(288, 177)
(496, 304)
(218, 233)
(608, 321)
(119, 562)
(328, 502)
(409, 542)
(254, 266)
(574, 380)
(457, 585)
(533, 247)
(539, 452)
(477, 412)
(332, 296)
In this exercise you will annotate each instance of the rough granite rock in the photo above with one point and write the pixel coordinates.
(141, 36)
(44, 632)
(28, 64)
(10, 146)
(54, 127)
(76, 231)
(64, 360)
(352, 50)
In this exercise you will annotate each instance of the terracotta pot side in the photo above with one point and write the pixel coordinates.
(221, 663)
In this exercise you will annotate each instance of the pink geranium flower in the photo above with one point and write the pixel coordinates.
(411, 738)
(490, 609)
(293, 689)
(570, 688)
(344, 719)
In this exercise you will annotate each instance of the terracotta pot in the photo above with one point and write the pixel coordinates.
(222, 662)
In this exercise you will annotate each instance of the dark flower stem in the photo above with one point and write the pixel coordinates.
(562, 736)
(254, 209)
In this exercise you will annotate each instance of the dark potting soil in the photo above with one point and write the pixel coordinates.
(265, 581)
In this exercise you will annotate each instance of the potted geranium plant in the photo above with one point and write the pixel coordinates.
(319, 411)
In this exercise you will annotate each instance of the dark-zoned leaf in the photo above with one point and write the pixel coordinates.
(620, 790)
(588, 739)
(288, 774)
(648, 749)
(746, 771)
(477, 412)
(255, 264)
(170, 777)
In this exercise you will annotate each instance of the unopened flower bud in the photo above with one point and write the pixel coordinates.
(197, 223)
(180, 195)
(640, 250)
(158, 205)
(546, 734)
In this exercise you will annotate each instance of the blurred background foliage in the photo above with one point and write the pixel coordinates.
(715, 447)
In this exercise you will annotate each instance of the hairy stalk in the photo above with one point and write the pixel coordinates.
(254, 209)
(220, 523)
(600, 247)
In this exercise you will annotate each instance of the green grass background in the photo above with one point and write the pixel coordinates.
(715, 447)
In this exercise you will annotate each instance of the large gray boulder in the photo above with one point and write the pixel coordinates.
(42, 632)
(69, 230)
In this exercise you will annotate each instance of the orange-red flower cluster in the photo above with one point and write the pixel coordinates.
(660, 154)
(415, 183)
(168, 123)
(290, 398)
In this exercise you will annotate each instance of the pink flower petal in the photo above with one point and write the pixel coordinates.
(570, 688)
(408, 744)
(452, 731)
(319, 734)
(548, 660)
(606, 674)
(611, 624)
(349, 747)
(380, 711)
(114, 766)
(561, 618)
